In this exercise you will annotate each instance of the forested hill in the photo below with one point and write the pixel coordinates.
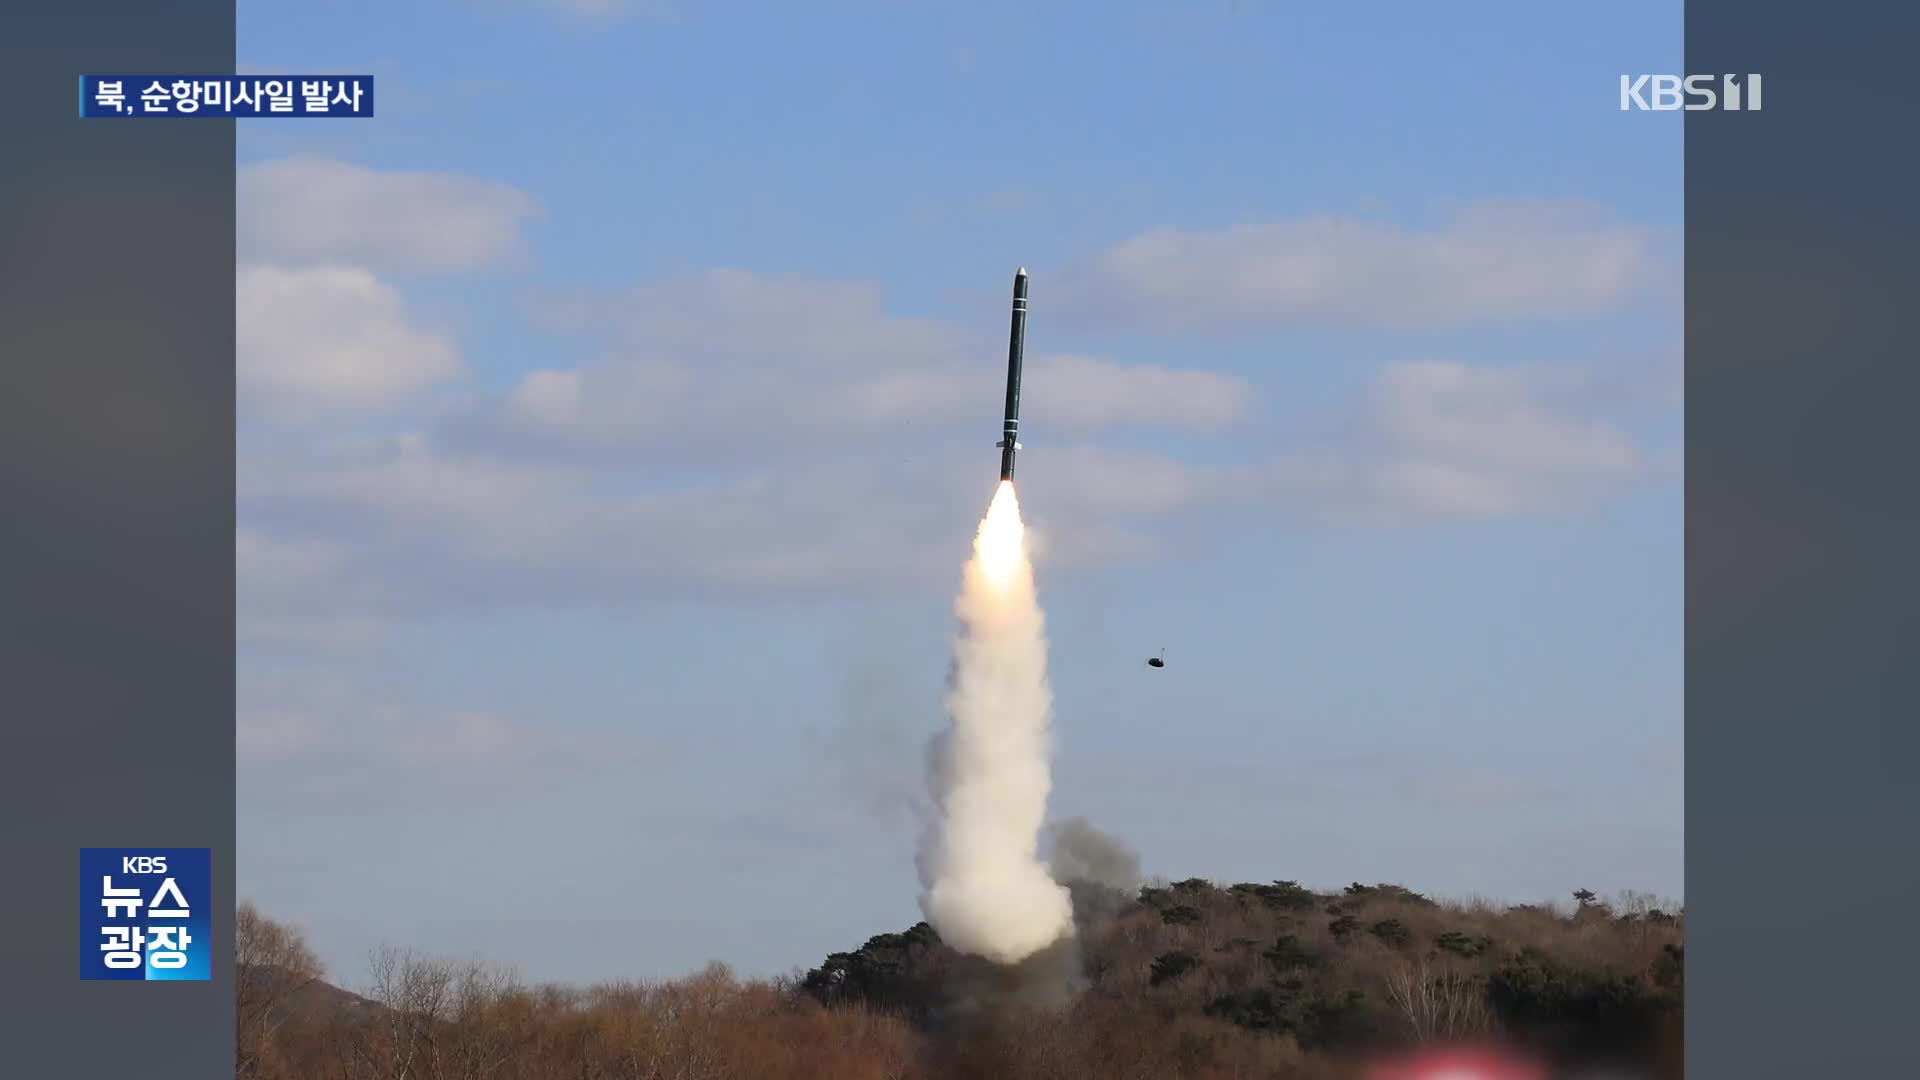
(1190, 979)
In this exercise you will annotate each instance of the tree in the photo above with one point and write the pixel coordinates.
(1384, 891)
(1439, 1003)
(1171, 965)
(1590, 1007)
(1180, 915)
(1287, 953)
(1393, 932)
(416, 995)
(1463, 944)
(1279, 896)
(1670, 969)
(272, 964)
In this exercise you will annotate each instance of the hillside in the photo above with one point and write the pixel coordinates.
(1189, 979)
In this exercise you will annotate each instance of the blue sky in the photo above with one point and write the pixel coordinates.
(618, 404)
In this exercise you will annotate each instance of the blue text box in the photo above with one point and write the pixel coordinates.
(270, 96)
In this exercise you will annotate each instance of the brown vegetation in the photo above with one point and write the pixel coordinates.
(1188, 980)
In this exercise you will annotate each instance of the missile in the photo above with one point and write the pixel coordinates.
(1016, 345)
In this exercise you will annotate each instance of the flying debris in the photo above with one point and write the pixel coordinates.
(1016, 345)
(1158, 661)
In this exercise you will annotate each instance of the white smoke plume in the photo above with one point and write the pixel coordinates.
(985, 888)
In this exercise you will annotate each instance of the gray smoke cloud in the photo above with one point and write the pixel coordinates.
(1101, 873)
(1083, 853)
(874, 751)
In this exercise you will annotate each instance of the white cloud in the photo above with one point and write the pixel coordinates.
(641, 403)
(1092, 482)
(288, 594)
(259, 557)
(304, 738)
(769, 436)
(1492, 261)
(408, 529)
(734, 358)
(407, 478)
(316, 210)
(303, 633)
(1442, 438)
(328, 338)
(397, 528)
(731, 321)
(439, 528)
(1083, 393)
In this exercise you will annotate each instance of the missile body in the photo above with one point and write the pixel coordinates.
(1016, 345)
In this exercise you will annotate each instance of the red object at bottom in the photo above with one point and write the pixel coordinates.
(1472, 1063)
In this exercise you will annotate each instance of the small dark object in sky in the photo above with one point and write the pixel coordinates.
(1158, 661)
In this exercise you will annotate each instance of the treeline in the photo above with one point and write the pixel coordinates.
(1187, 979)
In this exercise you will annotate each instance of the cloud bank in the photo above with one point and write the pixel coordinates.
(1492, 260)
(308, 741)
(329, 339)
(727, 418)
(317, 210)
(1449, 439)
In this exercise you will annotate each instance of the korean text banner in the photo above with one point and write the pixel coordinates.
(146, 914)
(226, 95)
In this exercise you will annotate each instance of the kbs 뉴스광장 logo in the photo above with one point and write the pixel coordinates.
(146, 914)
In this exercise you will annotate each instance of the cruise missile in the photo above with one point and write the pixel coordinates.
(1016, 345)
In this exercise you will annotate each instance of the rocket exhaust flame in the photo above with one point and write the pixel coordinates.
(984, 886)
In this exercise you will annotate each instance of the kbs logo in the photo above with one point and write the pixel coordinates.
(1671, 93)
(145, 914)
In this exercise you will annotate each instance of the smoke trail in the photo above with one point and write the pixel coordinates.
(984, 886)
(1085, 854)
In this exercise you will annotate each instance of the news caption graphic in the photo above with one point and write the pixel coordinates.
(226, 95)
(146, 914)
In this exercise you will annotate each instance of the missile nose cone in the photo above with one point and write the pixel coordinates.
(1022, 272)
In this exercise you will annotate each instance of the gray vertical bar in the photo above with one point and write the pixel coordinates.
(1803, 684)
(116, 545)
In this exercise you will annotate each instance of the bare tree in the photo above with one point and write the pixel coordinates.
(486, 1030)
(272, 964)
(414, 994)
(1634, 904)
(1439, 1003)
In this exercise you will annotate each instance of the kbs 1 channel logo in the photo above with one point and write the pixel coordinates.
(269, 96)
(146, 914)
(1690, 93)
